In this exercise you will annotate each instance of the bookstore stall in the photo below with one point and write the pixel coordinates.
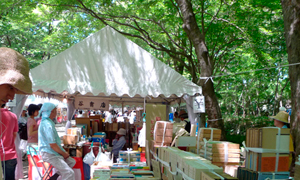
(107, 68)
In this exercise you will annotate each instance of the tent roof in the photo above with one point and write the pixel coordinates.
(107, 63)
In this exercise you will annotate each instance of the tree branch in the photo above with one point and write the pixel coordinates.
(202, 18)
(146, 37)
(214, 17)
(230, 23)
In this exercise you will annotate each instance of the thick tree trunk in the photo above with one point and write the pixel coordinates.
(291, 16)
(190, 26)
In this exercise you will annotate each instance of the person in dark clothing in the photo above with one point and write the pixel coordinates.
(184, 117)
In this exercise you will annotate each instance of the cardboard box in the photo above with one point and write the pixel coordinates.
(266, 138)
(108, 126)
(164, 124)
(135, 146)
(159, 144)
(114, 127)
(221, 151)
(185, 141)
(161, 131)
(84, 121)
(74, 131)
(256, 162)
(229, 168)
(269, 136)
(222, 159)
(221, 145)
(95, 126)
(70, 139)
(164, 139)
(216, 137)
(207, 132)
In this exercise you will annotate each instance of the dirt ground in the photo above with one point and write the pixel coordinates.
(25, 169)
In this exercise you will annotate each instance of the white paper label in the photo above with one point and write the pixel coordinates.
(199, 104)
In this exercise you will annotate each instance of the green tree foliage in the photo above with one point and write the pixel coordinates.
(241, 37)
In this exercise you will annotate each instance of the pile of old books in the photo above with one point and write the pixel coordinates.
(220, 151)
(162, 134)
(209, 134)
(189, 165)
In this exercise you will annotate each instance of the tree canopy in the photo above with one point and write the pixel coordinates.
(244, 40)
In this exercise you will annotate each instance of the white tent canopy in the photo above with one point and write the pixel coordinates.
(108, 65)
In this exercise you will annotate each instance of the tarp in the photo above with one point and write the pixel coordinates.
(107, 64)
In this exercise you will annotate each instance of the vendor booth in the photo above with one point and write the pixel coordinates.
(107, 68)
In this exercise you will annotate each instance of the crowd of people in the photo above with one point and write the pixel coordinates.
(40, 127)
(14, 72)
(109, 116)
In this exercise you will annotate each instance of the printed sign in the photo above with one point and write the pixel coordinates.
(91, 103)
(199, 104)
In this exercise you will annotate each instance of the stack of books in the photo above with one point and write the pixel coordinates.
(221, 152)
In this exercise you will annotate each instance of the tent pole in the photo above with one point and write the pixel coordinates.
(122, 108)
(144, 104)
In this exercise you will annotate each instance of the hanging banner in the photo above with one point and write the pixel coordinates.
(199, 104)
(91, 103)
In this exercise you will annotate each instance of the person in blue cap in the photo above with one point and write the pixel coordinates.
(50, 145)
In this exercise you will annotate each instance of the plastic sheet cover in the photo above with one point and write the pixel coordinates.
(109, 63)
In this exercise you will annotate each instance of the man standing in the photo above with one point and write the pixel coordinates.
(184, 118)
(9, 130)
(14, 79)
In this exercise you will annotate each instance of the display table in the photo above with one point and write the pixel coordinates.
(33, 171)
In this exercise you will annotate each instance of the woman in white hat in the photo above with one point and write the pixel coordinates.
(14, 75)
(118, 143)
(14, 79)
(281, 120)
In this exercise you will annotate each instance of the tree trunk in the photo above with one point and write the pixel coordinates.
(190, 26)
(291, 16)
